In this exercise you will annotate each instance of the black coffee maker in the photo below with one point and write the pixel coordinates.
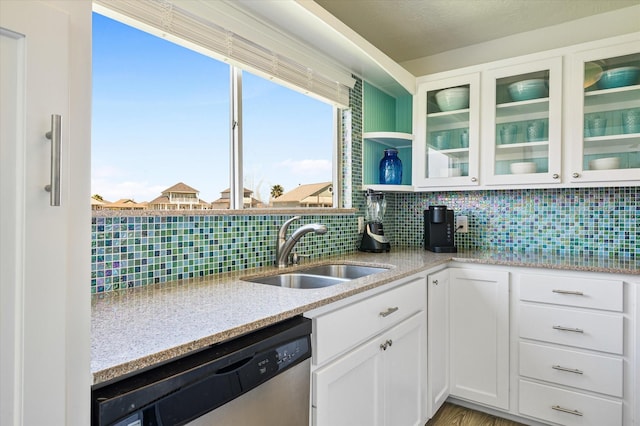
(439, 230)
(373, 239)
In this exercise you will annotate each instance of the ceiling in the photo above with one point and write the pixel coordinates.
(409, 29)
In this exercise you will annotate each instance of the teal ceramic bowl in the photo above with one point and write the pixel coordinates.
(619, 77)
(528, 89)
(453, 99)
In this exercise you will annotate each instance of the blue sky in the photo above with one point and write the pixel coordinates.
(161, 116)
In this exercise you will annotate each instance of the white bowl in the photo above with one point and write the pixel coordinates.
(453, 99)
(524, 167)
(605, 163)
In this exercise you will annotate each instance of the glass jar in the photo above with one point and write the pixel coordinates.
(390, 168)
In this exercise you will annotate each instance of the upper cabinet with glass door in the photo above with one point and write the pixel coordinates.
(522, 113)
(605, 119)
(446, 147)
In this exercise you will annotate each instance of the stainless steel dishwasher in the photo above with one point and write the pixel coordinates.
(259, 379)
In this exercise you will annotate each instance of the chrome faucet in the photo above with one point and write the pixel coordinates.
(285, 245)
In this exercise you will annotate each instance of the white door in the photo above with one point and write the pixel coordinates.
(35, 238)
(349, 391)
(437, 340)
(479, 336)
(404, 372)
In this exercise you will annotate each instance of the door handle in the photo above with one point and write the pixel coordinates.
(54, 136)
(388, 312)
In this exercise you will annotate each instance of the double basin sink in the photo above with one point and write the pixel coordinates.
(317, 276)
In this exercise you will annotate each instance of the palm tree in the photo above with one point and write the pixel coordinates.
(276, 191)
(97, 197)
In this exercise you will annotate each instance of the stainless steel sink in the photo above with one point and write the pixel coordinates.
(350, 272)
(318, 276)
(297, 280)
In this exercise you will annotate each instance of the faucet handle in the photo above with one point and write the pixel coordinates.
(295, 257)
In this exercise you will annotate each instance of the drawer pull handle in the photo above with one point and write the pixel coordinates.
(386, 344)
(388, 312)
(573, 330)
(568, 370)
(566, 410)
(575, 293)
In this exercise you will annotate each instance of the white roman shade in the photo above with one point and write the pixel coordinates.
(192, 25)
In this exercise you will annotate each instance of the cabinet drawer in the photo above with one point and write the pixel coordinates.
(339, 330)
(570, 291)
(567, 407)
(586, 371)
(589, 330)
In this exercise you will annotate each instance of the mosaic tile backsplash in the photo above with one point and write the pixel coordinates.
(132, 251)
(589, 221)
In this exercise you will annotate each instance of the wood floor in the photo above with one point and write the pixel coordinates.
(454, 415)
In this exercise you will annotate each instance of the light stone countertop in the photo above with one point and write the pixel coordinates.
(135, 328)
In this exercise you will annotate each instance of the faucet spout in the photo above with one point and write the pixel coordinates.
(285, 245)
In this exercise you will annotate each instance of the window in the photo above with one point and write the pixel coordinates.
(287, 145)
(161, 130)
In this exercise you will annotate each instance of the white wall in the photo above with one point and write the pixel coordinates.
(610, 24)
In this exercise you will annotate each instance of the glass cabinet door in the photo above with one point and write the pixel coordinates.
(607, 119)
(522, 135)
(447, 139)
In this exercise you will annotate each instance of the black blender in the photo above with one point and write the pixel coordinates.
(373, 239)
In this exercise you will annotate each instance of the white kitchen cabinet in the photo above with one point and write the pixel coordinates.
(377, 375)
(550, 134)
(479, 334)
(521, 136)
(437, 340)
(446, 149)
(604, 121)
(571, 349)
(379, 383)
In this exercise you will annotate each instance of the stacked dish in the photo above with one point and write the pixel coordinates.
(619, 77)
(607, 163)
(528, 89)
(522, 168)
(453, 99)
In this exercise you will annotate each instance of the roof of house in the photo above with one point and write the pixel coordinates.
(181, 187)
(303, 191)
(125, 203)
(164, 199)
(95, 202)
(247, 192)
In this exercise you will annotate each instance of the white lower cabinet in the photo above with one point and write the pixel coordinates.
(437, 340)
(573, 360)
(567, 407)
(479, 336)
(382, 380)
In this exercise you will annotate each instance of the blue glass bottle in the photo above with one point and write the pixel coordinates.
(390, 168)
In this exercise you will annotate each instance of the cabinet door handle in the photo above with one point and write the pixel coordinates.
(573, 330)
(388, 312)
(435, 282)
(556, 176)
(568, 370)
(566, 410)
(575, 175)
(474, 179)
(575, 293)
(386, 344)
(54, 136)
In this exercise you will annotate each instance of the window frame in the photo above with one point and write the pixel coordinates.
(236, 176)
